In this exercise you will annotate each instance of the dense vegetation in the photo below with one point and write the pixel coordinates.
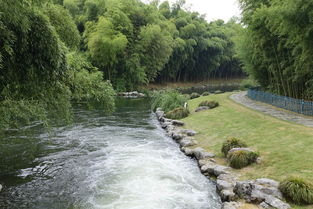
(276, 45)
(40, 69)
(55, 51)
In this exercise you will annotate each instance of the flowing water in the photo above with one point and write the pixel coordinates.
(123, 161)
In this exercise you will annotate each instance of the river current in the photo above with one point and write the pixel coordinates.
(122, 161)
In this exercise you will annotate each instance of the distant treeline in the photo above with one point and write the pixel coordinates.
(135, 43)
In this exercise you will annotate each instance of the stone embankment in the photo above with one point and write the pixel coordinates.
(262, 192)
(133, 94)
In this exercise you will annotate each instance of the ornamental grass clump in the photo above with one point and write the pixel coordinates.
(210, 104)
(232, 143)
(241, 158)
(167, 100)
(177, 113)
(194, 95)
(297, 190)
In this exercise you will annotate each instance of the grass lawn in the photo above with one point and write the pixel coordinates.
(286, 148)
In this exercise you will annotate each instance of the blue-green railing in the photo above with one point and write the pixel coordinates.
(296, 105)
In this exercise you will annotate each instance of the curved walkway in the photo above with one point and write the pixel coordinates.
(242, 99)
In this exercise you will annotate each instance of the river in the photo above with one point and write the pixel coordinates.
(122, 161)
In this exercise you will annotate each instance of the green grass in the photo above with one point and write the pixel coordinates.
(285, 148)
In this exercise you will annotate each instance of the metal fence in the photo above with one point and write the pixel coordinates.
(296, 105)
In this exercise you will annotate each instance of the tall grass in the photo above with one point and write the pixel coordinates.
(167, 100)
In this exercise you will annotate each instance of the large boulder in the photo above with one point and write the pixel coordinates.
(188, 132)
(261, 190)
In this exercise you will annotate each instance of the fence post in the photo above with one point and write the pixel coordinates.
(285, 101)
(302, 105)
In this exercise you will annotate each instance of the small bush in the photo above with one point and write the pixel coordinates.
(167, 100)
(218, 92)
(247, 84)
(177, 113)
(232, 143)
(241, 158)
(210, 104)
(297, 190)
(194, 95)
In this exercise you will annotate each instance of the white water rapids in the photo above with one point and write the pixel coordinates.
(123, 161)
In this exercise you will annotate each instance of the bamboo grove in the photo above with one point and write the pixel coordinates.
(276, 46)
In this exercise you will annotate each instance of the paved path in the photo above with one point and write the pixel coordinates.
(241, 98)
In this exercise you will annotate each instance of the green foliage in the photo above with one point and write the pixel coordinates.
(248, 83)
(231, 143)
(210, 104)
(35, 80)
(167, 100)
(241, 158)
(297, 190)
(18, 113)
(205, 93)
(64, 25)
(86, 83)
(177, 113)
(105, 44)
(276, 45)
(194, 95)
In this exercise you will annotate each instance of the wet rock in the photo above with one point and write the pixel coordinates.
(178, 123)
(188, 132)
(177, 137)
(202, 108)
(244, 189)
(276, 203)
(187, 142)
(231, 205)
(224, 185)
(261, 190)
(0, 187)
(215, 169)
(200, 153)
(187, 151)
(269, 190)
(159, 114)
(165, 124)
(264, 205)
(227, 195)
(191, 133)
(133, 94)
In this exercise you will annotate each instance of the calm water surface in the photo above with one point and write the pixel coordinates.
(123, 161)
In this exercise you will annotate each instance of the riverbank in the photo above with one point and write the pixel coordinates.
(277, 141)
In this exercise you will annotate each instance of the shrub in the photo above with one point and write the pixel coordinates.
(194, 95)
(241, 158)
(167, 100)
(177, 113)
(205, 93)
(232, 143)
(247, 84)
(210, 104)
(297, 190)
